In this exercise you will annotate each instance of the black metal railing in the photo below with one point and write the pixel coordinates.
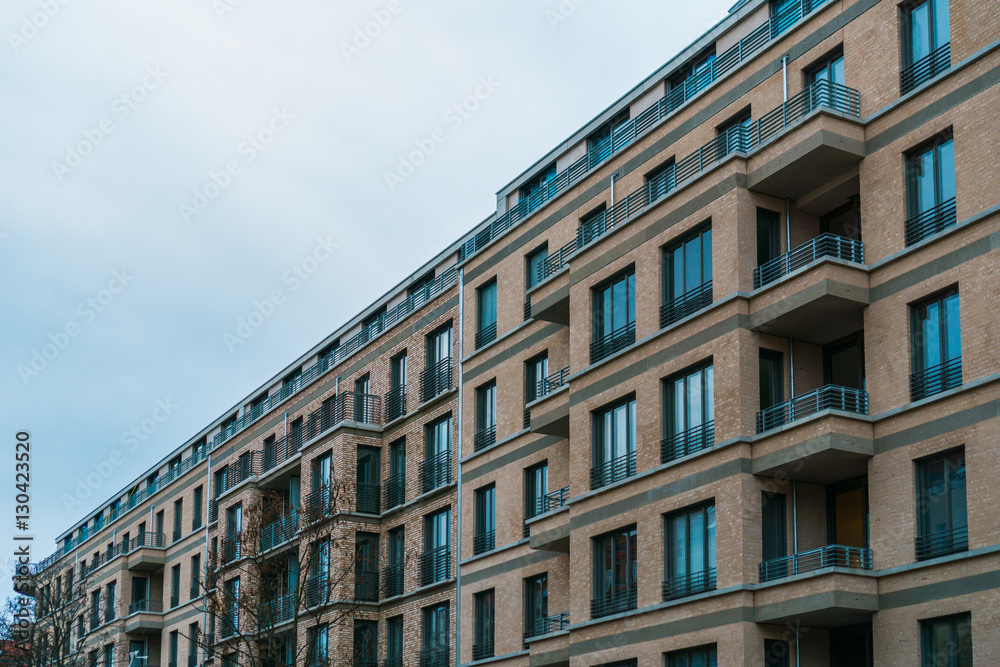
(925, 69)
(687, 304)
(229, 623)
(689, 584)
(936, 379)
(435, 565)
(369, 498)
(393, 576)
(527, 308)
(549, 624)
(197, 521)
(277, 610)
(484, 438)
(614, 603)
(230, 548)
(175, 599)
(146, 606)
(152, 540)
(486, 335)
(213, 510)
(318, 504)
(484, 542)
(482, 650)
(829, 397)
(617, 340)
(591, 229)
(435, 472)
(824, 245)
(819, 94)
(527, 418)
(552, 501)
(393, 491)
(317, 590)
(549, 384)
(942, 543)
(279, 531)
(178, 533)
(930, 222)
(555, 262)
(95, 619)
(395, 403)
(687, 442)
(366, 583)
(435, 657)
(393, 661)
(832, 555)
(436, 379)
(192, 660)
(612, 471)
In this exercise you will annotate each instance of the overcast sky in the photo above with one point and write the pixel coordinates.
(165, 165)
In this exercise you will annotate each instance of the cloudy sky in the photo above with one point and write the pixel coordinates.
(165, 165)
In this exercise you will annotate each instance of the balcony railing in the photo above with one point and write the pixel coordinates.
(279, 531)
(486, 335)
(833, 555)
(824, 245)
(393, 576)
(942, 543)
(192, 659)
(435, 657)
(435, 472)
(484, 542)
(393, 491)
(366, 583)
(175, 599)
(436, 379)
(393, 661)
(549, 384)
(544, 626)
(230, 548)
(689, 584)
(614, 603)
(925, 69)
(317, 590)
(482, 649)
(936, 379)
(552, 501)
(617, 340)
(829, 397)
(146, 606)
(687, 442)
(395, 403)
(213, 510)
(277, 611)
(229, 623)
(484, 438)
(819, 94)
(318, 504)
(686, 304)
(435, 565)
(931, 221)
(612, 471)
(178, 533)
(555, 262)
(369, 498)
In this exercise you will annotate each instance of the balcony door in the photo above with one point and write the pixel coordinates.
(139, 589)
(843, 363)
(438, 347)
(768, 236)
(774, 530)
(847, 511)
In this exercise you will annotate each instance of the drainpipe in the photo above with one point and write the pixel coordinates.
(784, 76)
(798, 661)
(613, 189)
(788, 225)
(458, 502)
(795, 518)
(204, 614)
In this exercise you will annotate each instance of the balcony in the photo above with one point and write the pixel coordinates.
(279, 531)
(549, 299)
(395, 403)
(393, 577)
(145, 552)
(833, 555)
(230, 546)
(689, 584)
(612, 471)
(824, 246)
(145, 616)
(435, 565)
(484, 438)
(276, 611)
(393, 491)
(482, 649)
(436, 379)
(318, 504)
(435, 657)
(548, 625)
(229, 623)
(830, 397)
(317, 590)
(369, 498)
(616, 341)
(435, 472)
(936, 379)
(614, 603)
(925, 69)
(486, 335)
(687, 442)
(366, 585)
(484, 542)
(551, 410)
(831, 448)
(942, 543)
(549, 528)
(686, 304)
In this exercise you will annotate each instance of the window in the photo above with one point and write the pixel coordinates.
(192, 644)
(397, 557)
(930, 188)
(536, 606)
(111, 601)
(692, 77)
(687, 277)
(317, 646)
(195, 576)
(733, 136)
(926, 43)
(437, 377)
(234, 526)
(322, 480)
(436, 468)
(776, 653)
(614, 444)
(486, 314)
(198, 509)
(538, 190)
(536, 370)
(178, 519)
(947, 642)
(772, 390)
(175, 586)
(419, 289)
(486, 416)
(366, 567)
(592, 225)
(768, 241)
(614, 316)
(615, 573)
(535, 268)
(599, 145)
(435, 563)
(482, 646)
(434, 652)
(318, 578)
(703, 656)
(690, 551)
(395, 486)
(484, 537)
(536, 488)
(943, 523)
(394, 642)
(174, 638)
(368, 483)
(365, 643)
(95, 609)
(109, 655)
(395, 401)
(936, 341)
(372, 325)
(661, 180)
(689, 421)
(830, 69)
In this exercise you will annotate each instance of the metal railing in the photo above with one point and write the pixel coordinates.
(824, 245)
(686, 304)
(687, 442)
(393, 491)
(527, 308)
(279, 531)
(175, 599)
(369, 498)
(550, 383)
(393, 576)
(435, 472)
(555, 262)
(617, 602)
(229, 623)
(936, 379)
(552, 501)
(435, 657)
(823, 93)
(484, 542)
(617, 340)
(230, 547)
(146, 606)
(317, 590)
(318, 504)
(832, 555)
(394, 661)
(482, 650)
(486, 335)
(829, 397)
(931, 221)
(213, 510)
(612, 471)
(925, 69)
(278, 610)
(436, 379)
(942, 543)
(484, 438)
(152, 540)
(366, 583)
(689, 584)
(395, 403)
(435, 565)
(549, 624)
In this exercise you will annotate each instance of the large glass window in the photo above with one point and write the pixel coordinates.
(536, 487)
(614, 444)
(317, 646)
(926, 42)
(366, 566)
(947, 642)
(397, 555)
(536, 605)
(486, 416)
(936, 341)
(690, 552)
(615, 573)
(687, 274)
(435, 636)
(436, 469)
(486, 319)
(777, 653)
(614, 317)
(394, 642)
(365, 643)
(536, 370)
(436, 561)
(930, 184)
(395, 401)
(437, 377)
(484, 536)
(943, 508)
(485, 604)
(538, 190)
(535, 266)
(690, 412)
(703, 656)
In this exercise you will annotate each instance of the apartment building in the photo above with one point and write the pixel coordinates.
(717, 384)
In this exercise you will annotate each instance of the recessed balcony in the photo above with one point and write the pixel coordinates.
(829, 397)
(825, 449)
